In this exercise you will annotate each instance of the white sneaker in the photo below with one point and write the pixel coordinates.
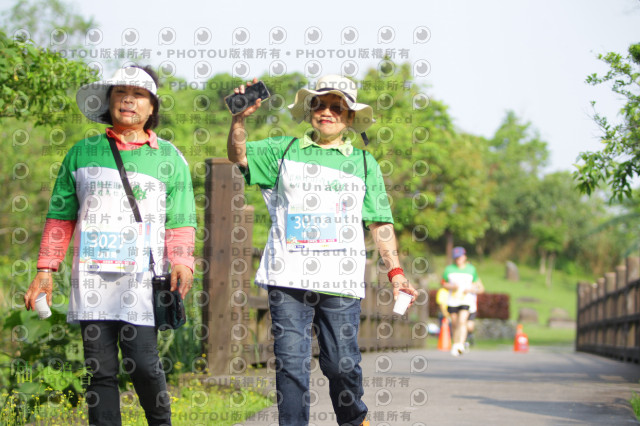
(457, 349)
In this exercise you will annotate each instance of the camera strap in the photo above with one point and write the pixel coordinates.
(275, 187)
(130, 197)
(364, 162)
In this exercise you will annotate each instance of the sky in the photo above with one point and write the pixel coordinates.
(481, 58)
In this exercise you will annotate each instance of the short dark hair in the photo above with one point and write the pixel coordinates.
(153, 119)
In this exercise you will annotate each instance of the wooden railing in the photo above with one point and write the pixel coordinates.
(609, 314)
(237, 315)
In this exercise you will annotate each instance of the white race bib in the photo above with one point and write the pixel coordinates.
(313, 230)
(113, 248)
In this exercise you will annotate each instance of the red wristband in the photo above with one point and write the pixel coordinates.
(395, 271)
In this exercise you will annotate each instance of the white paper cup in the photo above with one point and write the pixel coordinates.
(402, 303)
(42, 307)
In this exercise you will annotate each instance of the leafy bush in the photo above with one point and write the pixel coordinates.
(492, 305)
(495, 306)
(42, 361)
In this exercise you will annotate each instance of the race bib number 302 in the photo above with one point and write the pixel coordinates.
(105, 248)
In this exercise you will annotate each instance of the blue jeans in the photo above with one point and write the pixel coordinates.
(335, 321)
(140, 360)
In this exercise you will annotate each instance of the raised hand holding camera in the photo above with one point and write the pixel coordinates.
(246, 97)
(237, 134)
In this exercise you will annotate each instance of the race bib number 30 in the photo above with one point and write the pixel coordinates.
(317, 230)
(105, 248)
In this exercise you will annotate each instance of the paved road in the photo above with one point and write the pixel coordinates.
(547, 386)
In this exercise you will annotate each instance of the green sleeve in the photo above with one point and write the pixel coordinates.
(445, 274)
(375, 207)
(180, 199)
(475, 274)
(64, 203)
(263, 158)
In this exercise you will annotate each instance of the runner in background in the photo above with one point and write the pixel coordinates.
(461, 279)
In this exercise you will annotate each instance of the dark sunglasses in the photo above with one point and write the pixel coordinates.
(336, 108)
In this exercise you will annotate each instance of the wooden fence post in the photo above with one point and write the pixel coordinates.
(600, 303)
(610, 288)
(609, 307)
(580, 318)
(608, 321)
(633, 274)
(621, 303)
(593, 291)
(241, 274)
(224, 189)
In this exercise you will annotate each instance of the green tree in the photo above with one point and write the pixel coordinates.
(464, 189)
(619, 161)
(37, 78)
(48, 23)
(564, 224)
(38, 90)
(624, 226)
(516, 156)
(37, 82)
(408, 141)
(436, 177)
(555, 219)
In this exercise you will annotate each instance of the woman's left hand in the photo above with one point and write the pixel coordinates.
(185, 275)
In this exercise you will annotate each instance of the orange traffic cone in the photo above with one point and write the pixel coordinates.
(521, 342)
(444, 339)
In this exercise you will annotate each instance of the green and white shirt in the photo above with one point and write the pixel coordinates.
(111, 279)
(464, 278)
(316, 241)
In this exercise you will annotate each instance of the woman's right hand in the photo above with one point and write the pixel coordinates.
(42, 283)
(253, 108)
(237, 139)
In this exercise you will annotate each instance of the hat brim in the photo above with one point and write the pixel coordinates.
(93, 101)
(300, 108)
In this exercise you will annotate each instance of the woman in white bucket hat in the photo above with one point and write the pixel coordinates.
(111, 294)
(362, 114)
(319, 190)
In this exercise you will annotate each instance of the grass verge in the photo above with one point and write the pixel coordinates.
(194, 403)
(635, 404)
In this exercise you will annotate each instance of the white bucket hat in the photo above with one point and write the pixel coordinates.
(92, 98)
(337, 85)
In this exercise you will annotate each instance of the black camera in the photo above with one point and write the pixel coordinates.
(168, 306)
(238, 102)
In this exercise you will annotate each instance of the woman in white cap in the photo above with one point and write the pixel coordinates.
(319, 190)
(111, 293)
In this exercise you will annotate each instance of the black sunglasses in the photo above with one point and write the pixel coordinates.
(337, 108)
